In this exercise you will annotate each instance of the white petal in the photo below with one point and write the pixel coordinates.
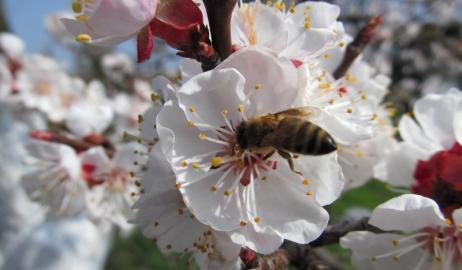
(263, 243)
(260, 24)
(270, 81)
(148, 131)
(399, 166)
(366, 245)
(413, 135)
(176, 138)
(165, 87)
(429, 111)
(325, 175)
(282, 203)
(204, 97)
(457, 217)
(76, 28)
(458, 123)
(407, 213)
(96, 156)
(84, 119)
(322, 14)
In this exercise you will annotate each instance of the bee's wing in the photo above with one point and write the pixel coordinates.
(302, 112)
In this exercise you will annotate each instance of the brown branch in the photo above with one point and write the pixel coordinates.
(333, 233)
(219, 13)
(77, 144)
(356, 47)
(308, 256)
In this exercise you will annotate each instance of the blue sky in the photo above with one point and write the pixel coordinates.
(26, 17)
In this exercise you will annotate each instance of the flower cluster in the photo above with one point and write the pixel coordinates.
(273, 116)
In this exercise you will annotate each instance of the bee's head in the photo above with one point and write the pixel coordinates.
(241, 136)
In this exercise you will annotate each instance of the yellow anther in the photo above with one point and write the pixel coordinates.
(327, 55)
(292, 10)
(351, 79)
(306, 182)
(242, 223)
(280, 5)
(184, 164)
(240, 108)
(180, 211)
(395, 242)
(257, 86)
(201, 136)
(227, 193)
(360, 154)
(460, 226)
(374, 116)
(373, 258)
(192, 109)
(77, 7)
(224, 112)
(325, 86)
(155, 97)
(391, 112)
(84, 38)
(140, 119)
(269, 2)
(448, 221)
(217, 161)
(363, 97)
(308, 8)
(213, 189)
(156, 224)
(178, 185)
(196, 165)
(349, 110)
(190, 124)
(309, 193)
(263, 178)
(331, 101)
(396, 258)
(168, 247)
(81, 18)
(341, 44)
(256, 219)
(439, 258)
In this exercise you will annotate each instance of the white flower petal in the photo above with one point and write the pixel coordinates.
(270, 81)
(204, 97)
(366, 245)
(285, 205)
(263, 243)
(399, 166)
(407, 213)
(325, 174)
(458, 123)
(429, 111)
(413, 135)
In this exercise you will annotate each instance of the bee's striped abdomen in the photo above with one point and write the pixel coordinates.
(299, 136)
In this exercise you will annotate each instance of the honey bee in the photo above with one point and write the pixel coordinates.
(287, 132)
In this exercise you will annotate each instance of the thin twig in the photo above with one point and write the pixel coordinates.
(355, 48)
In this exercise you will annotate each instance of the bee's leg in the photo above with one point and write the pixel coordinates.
(269, 154)
(288, 157)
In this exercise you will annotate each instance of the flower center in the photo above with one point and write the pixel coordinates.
(244, 164)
